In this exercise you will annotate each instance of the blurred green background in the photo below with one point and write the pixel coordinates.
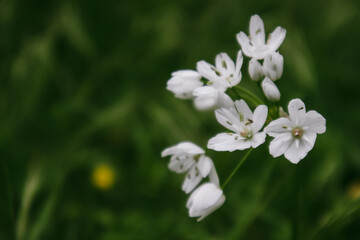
(85, 115)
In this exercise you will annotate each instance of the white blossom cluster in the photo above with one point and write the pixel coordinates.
(294, 132)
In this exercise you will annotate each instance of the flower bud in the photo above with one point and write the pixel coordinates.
(255, 70)
(270, 90)
(183, 82)
(205, 200)
(210, 98)
(273, 66)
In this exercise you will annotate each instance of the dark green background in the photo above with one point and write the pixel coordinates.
(83, 83)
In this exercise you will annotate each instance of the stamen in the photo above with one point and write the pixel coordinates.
(224, 64)
(241, 117)
(216, 71)
(230, 123)
(246, 134)
(248, 121)
(297, 132)
(196, 171)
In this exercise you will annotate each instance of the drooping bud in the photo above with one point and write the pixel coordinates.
(255, 70)
(273, 66)
(183, 82)
(204, 200)
(270, 90)
(210, 98)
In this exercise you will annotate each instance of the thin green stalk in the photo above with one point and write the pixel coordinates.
(252, 97)
(235, 92)
(9, 195)
(237, 167)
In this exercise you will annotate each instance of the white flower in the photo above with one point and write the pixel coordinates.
(255, 70)
(225, 74)
(270, 90)
(273, 66)
(209, 98)
(187, 156)
(254, 46)
(183, 82)
(295, 136)
(245, 127)
(204, 200)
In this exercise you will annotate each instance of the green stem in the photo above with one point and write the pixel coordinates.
(9, 193)
(235, 92)
(237, 167)
(252, 97)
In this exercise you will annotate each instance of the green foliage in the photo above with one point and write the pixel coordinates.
(83, 83)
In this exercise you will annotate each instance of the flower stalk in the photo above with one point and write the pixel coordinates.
(237, 167)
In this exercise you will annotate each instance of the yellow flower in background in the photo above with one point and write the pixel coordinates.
(103, 176)
(354, 190)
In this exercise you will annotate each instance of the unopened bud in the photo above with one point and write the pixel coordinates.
(270, 90)
(273, 66)
(183, 82)
(255, 70)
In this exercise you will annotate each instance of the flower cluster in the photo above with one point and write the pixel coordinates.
(209, 86)
(188, 157)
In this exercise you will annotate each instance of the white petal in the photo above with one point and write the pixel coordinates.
(296, 151)
(260, 52)
(190, 148)
(224, 63)
(181, 165)
(271, 92)
(228, 142)
(259, 117)
(244, 42)
(224, 101)
(276, 38)
(213, 176)
(255, 70)
(273, 65)
(257, 31)
(280, 144)
(204, 200)
(206, 98)
(229, 118)
(192, 179)
(204, 165)
(258, 139)
(239, 62)
(218, 204)
(244, 110)
(297, 111)
(309, 139)
(315, 122)
(170, 151)
(183, 87)
(186, 74)
(278, 126)
(207, 71)
(204, 197)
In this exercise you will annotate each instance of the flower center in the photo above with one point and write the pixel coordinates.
(297, 132)
(246, 134)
